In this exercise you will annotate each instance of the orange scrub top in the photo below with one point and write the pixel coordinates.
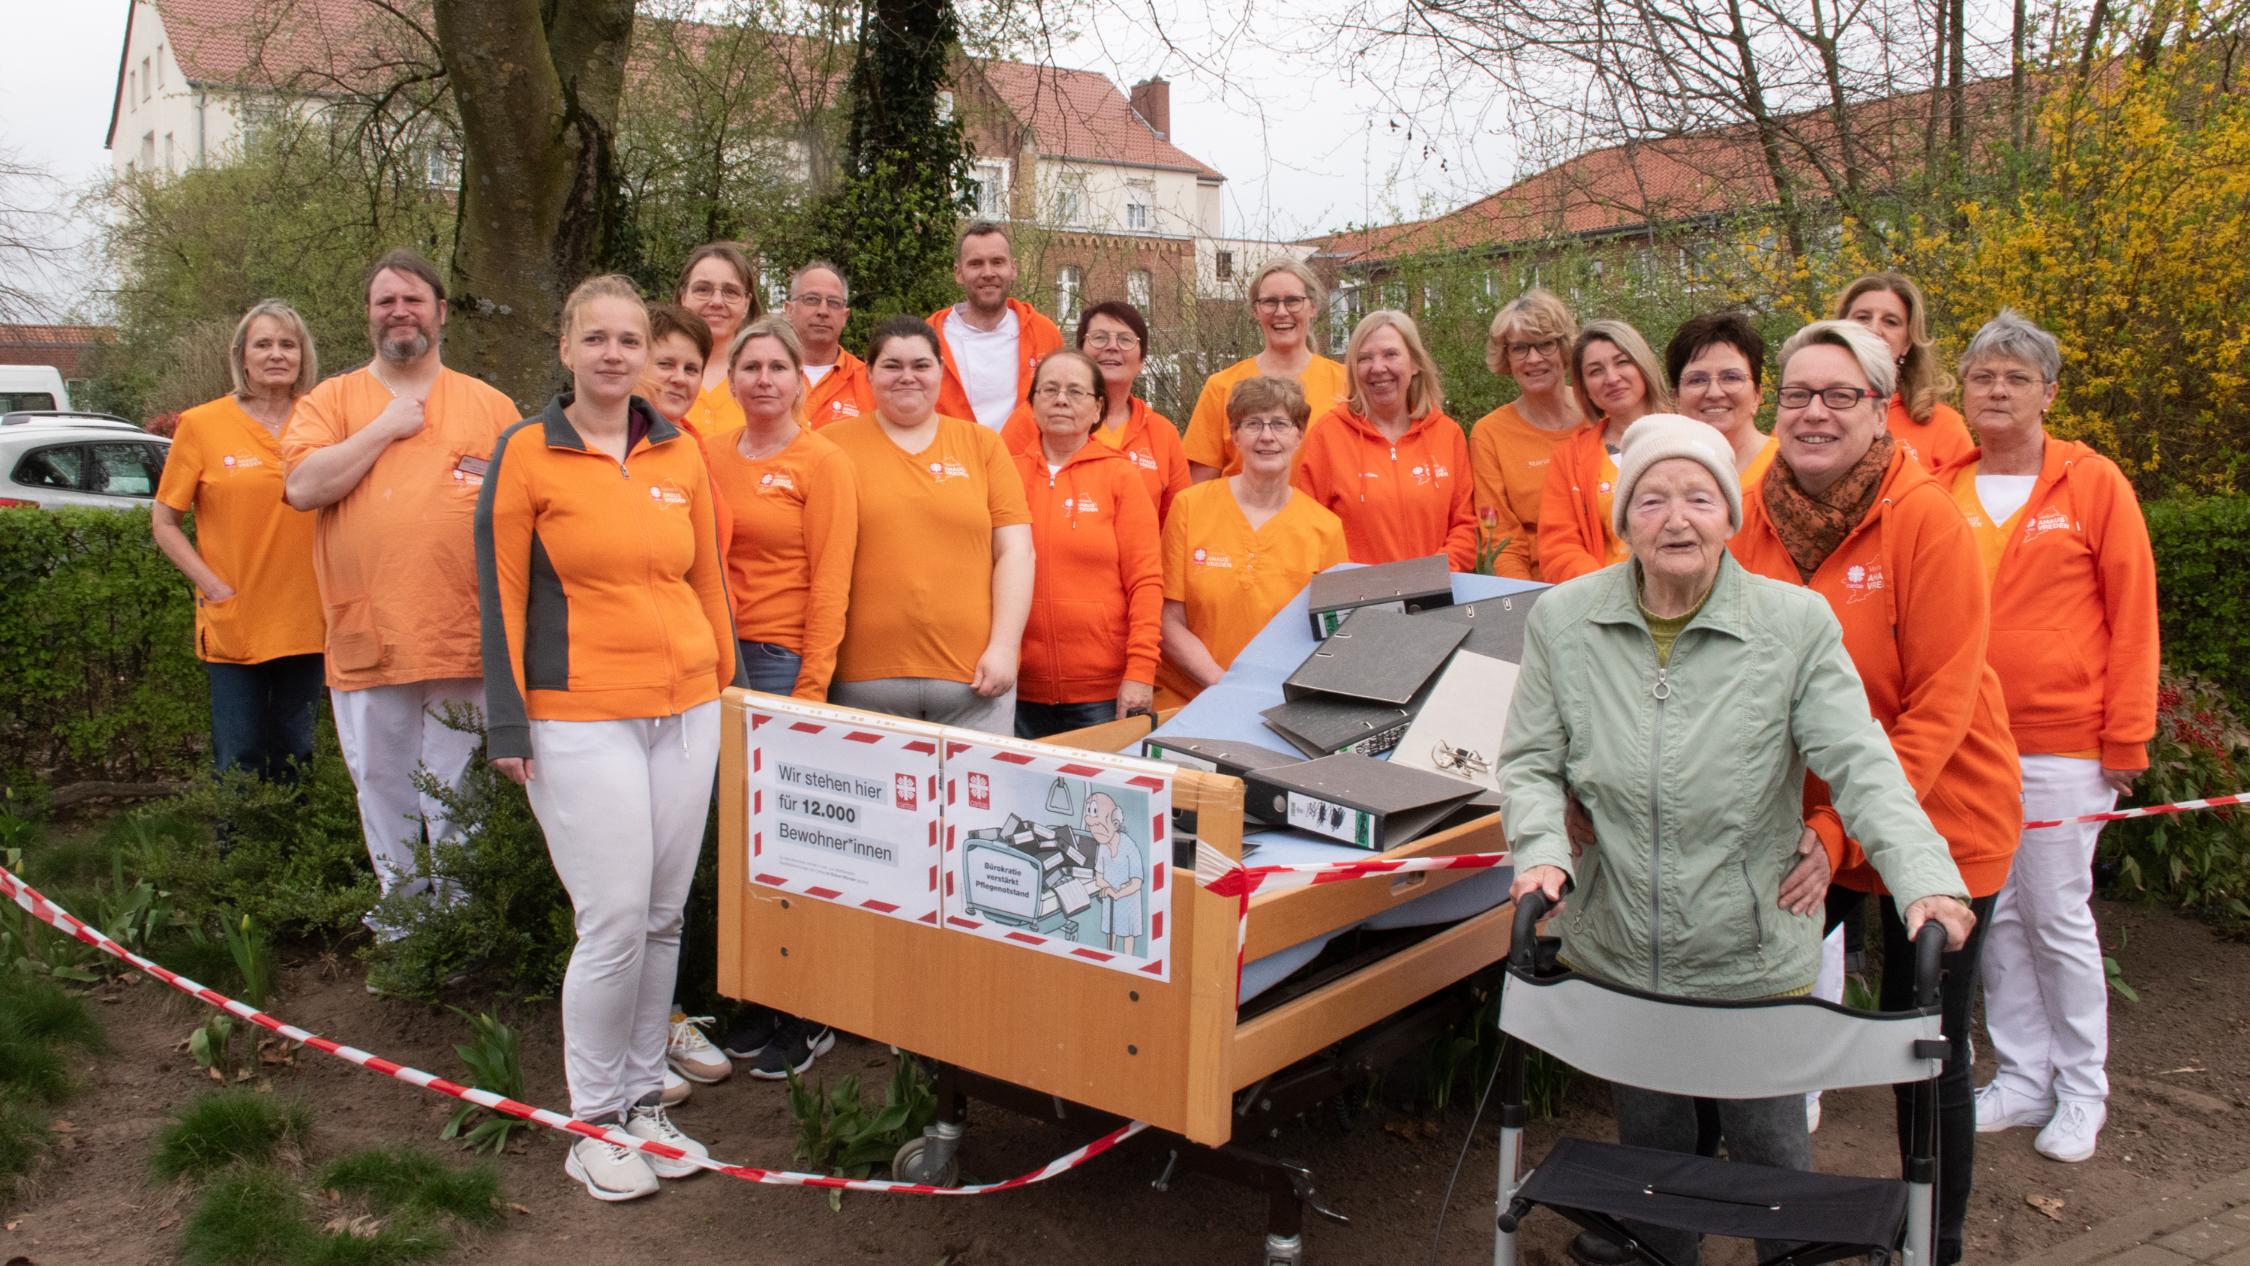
(921, 598)
(1508, 457)
(395, 556)
(794, 529)
(1407, 498)
(715, 411)
(225, 468)
(1233, 578)
(1210, 442)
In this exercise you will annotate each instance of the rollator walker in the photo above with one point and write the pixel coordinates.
(1717, 1050)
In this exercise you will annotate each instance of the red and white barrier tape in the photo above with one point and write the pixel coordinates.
(2145, 811)
(64, 922)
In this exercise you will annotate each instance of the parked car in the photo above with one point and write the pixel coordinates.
(50, 459)
(24, 387)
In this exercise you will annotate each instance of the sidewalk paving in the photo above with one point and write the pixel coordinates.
(2208, 1226)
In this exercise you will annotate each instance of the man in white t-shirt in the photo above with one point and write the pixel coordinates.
(990, 343)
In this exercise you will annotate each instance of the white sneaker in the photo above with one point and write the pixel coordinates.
(1812, 1112)
(2070, 1136)
(691, 1055)
(647, 1121)
(1998, 1110)
(610, 1172)
(676, 1088)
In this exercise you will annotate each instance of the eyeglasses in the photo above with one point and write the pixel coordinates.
(1105, 339)
(1283, 303)
(704, 290)
(1274, 426)
(1061, 391)
(1544, 347)
(1987, 379)
(817, 302)
(1833, 397)
(1731, 379)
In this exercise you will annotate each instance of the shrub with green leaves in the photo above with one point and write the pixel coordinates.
(839, 1134)
(2202, 547)
(226, 1128)
(2197, 861)
(494, 1056)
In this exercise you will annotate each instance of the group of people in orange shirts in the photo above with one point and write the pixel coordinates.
(977, 526)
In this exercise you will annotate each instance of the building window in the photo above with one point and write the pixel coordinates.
(945, 106)
(148, 150)
(170, 163)
(1137, 216)
(160, 65)
(1070, 288)
(1138, 285)
(132, 90)
(1070, 206)
(144, 79)
(1226, 265)
(992, 190)
(441, 167)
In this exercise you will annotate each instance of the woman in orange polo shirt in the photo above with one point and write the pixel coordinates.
(1093, 527)
(719, 284)
(1617, 380)
(942, 578)
(607, 640)
(1389, 461)
(1845, 512)
(1717, 366)
(795, 527)
(1236, 550)
(258, 625)
(1510, 447)
(1115, 335)
(1891, 305)
(1285, 300)
(2074, 639)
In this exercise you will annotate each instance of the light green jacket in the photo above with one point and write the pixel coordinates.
(1694, 775)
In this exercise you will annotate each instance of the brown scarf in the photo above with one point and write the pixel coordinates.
(1812, 527)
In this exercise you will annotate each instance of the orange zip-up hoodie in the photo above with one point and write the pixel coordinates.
(1408, 499)
(842, 392)
(1941, 442)
(1909, 589)
(2074, 634)
(603, 591)
(1036, 336)
(1148, 439)
(1574, 533)
(1098, 601)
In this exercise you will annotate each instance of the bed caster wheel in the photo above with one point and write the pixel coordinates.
(1285, 1250)
(919, 1161)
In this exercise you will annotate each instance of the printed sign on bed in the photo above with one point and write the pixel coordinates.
(1060, 851)
(844, 807)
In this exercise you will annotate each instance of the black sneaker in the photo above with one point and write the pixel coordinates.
(793, 1050)
(1592, 1249)
(751, 1033)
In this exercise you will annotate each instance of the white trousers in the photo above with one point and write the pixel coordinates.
(622, 804)
(387, 734)
(2046, 997)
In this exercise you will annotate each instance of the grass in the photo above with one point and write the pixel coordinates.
(39, 1021)
(227, 1127)
(259, 1215)
(402, 1179)
(253, 1215)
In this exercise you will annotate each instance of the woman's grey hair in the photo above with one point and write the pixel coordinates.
(2010, 336)
(308, 363)
(1866, 347)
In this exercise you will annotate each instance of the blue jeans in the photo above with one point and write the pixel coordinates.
(1038, 720)
(262, 715)
(770, 666)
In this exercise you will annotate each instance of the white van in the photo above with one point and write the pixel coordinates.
(32, 388)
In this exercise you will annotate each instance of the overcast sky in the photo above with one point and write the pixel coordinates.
(1309, 137)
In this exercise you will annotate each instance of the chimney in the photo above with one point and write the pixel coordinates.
(1152, 100)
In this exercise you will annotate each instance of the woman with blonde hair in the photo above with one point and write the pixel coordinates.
(1285, 300)
(1510, 447)
(1617, 380)
(1891, 305)
(718, 283)
(1388, 461)
(258, 620)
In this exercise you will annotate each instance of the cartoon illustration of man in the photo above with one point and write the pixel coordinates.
(1117, 875)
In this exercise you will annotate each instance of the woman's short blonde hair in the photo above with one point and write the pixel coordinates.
(308, 361)
(1538, 316)
(606, 286)
(1658, 397)
(1425, 393)
(1261, 395)
(780, 331)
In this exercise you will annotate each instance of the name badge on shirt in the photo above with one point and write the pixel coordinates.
(470, 470)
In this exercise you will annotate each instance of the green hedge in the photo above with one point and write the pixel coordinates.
(98, 676)
(2203, 587)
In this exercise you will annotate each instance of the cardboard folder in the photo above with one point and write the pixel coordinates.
(1356, 800)
(1458, 729)
(1413, 584)
(1376, 656)
(1495, 625)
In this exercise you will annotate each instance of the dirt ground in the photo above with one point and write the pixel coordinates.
(2180, 1066)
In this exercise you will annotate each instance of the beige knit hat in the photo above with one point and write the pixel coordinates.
(1662, 436)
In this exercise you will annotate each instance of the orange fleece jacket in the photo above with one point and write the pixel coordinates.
(1036, 336)
(1908, 586)
(1509, 457)
(1941, 442)
(1148, 439)
(2074, 634)
(789, 547)
(1404, 499)
(1574, 533)
(843, 392)
(603, 590)
(1097, 604)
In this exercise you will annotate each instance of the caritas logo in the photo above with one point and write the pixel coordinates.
(980, 791)
(903, 791)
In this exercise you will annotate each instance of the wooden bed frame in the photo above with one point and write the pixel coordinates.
(1173, 1053)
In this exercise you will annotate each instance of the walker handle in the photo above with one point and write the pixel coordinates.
(1523, 943)
(1929, 953)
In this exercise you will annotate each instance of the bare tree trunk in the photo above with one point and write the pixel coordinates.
(2094, 23)
(1769, 133)
(2016, 39)
(1930, 165)
(1957, 87)
(538, 100)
